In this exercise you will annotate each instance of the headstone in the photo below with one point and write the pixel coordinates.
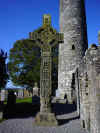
(35, 101)
(46, 38)
(11, 104)
(11, 101)
(20, 93)
(1, 115)
(26, 93)
(6, 94)
(2, 96)
(35, 90)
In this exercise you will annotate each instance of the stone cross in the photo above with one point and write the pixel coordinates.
(46, 37)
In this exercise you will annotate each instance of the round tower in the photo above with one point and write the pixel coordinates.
(71, 52)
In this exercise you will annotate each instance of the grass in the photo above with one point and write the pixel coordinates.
(1, 120)
(24, 100)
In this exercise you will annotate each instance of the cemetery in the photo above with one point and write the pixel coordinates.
(46, 110)
(74, 106)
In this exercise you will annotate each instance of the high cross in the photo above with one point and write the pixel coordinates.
(46, 37)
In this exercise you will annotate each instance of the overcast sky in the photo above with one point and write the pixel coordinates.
(19, 17)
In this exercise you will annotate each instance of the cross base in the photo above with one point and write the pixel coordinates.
(45, 119)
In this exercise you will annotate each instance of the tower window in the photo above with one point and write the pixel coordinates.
(83, 123)
(73, 47)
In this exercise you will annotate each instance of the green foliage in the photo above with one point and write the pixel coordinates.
(3, 72)
(24, 63)
(1, 120)
(24, 100)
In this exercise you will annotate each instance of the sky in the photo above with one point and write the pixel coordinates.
(19, 17)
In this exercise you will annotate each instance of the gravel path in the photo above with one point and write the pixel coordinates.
(26, 125)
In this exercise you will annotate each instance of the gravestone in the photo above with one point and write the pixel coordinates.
(11, 104)
(2, 96)
(26, 93)
(20, 93)
(46, 38)
(11, 101)
(35, 90)
(2, 99)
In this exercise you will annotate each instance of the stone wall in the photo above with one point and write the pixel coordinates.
(71, 52)
(83, 95)
(88, 89)
(79, 67)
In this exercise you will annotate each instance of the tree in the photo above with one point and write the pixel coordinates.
(3, 70)
(24, 63)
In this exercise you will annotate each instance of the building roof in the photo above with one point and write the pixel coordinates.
(10, 85)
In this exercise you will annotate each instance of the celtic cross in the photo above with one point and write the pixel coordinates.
(46, 37)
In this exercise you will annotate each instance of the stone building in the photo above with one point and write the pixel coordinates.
(79, 66)
(71, 52)
(87, 87)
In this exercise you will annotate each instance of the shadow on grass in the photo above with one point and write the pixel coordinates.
(25, 110)
(22, 110)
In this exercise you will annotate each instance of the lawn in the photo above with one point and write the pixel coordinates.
(24, 100)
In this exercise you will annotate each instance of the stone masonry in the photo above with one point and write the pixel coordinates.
(88, 90)
(79, 67)
(46, 38)
(71, 52)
